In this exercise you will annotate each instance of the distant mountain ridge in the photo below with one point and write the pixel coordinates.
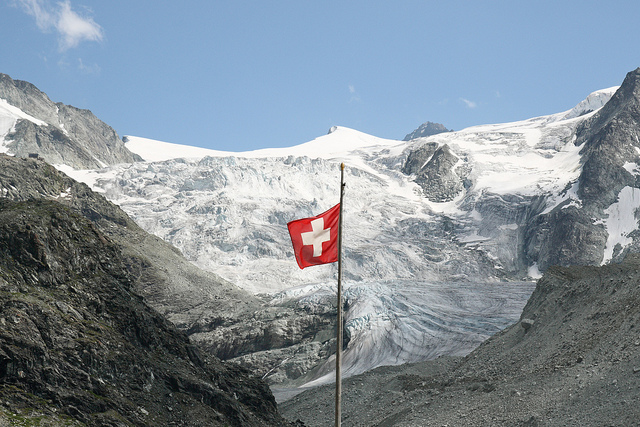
(426, 129)
(61, 134)
(485, 192)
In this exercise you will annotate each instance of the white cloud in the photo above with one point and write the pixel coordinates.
(71, 27)
(88, 69)
(469, 104)
(74, 28)
(35, 8)
(354, 95)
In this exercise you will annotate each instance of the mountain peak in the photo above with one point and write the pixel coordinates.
(612, 130)
(426, 129)
(61, 134)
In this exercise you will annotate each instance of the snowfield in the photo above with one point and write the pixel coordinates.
(227, 212)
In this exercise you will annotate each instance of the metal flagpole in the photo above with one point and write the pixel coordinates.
(339, 320)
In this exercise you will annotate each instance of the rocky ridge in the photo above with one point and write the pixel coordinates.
(61, 134)
(525, 232)
(610, 150)
(79, 347)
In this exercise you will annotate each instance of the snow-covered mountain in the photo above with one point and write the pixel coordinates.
(449, 207)
(403, 234)
(453, 211)
(228, 211)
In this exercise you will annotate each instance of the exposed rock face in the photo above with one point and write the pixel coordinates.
(418, 158)
(573, 359)
(434, 170)
(504, 218)
(565, 236)
(71, 136)
(438, 178)
(571, 234)
(426, 129)
(281, 344)
(610, 140)
(77, 343)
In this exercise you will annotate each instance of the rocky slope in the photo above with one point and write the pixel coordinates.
(59, 133)
(573, 359)
(79, 346)
(606, 188)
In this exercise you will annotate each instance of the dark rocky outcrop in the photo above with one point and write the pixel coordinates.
(426, 129)
(573, 359)
(570, 235)
(438, 179)
(78, 345)
(71, 136)
(418, 158)
(609, 139)
(565, 236)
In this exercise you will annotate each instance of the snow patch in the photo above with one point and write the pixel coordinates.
(571, 194)
(339, 143)
(534, 271)
(9, 116)
(593, 102)
(621, 221)
(509, 227)
(65, 194)
(632, 168)
(8, 110)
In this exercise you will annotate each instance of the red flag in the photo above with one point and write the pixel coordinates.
(315, 239)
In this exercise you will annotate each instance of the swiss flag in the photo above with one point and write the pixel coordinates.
(315, 239)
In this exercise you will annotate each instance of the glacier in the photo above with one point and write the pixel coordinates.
(423, 276)
(227, 212)
(396, 322)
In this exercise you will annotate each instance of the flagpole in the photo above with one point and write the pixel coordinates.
(339, 320)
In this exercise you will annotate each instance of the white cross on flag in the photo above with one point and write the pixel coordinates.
(315, 239)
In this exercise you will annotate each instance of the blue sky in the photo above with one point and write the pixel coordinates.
(240, 75)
